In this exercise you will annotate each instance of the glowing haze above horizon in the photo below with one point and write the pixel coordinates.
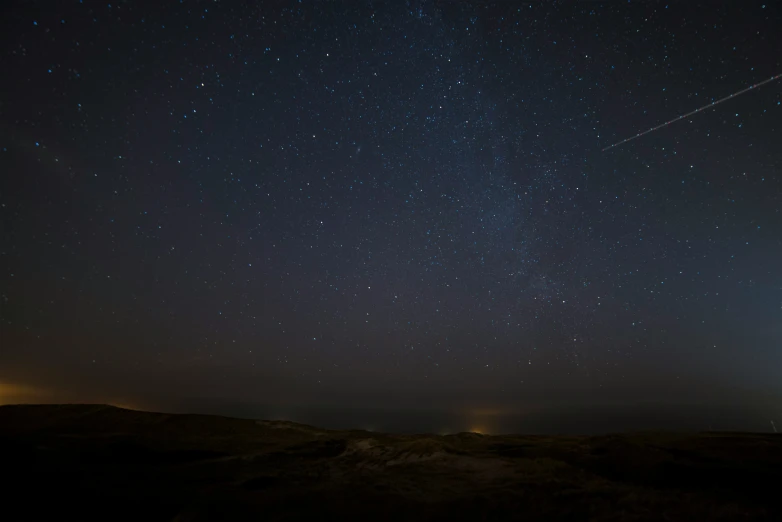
(401, 206)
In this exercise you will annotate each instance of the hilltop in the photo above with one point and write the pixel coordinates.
(92, 462)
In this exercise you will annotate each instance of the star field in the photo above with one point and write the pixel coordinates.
(364, 203)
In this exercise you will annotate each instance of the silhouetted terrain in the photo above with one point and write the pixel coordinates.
(85, 462)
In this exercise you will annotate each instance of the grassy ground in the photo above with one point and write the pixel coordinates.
(80, 462)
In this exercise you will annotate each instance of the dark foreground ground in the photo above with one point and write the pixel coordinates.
(76, 462)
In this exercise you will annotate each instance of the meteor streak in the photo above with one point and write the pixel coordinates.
(712, 104)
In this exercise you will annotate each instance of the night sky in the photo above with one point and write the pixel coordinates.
(391, 205)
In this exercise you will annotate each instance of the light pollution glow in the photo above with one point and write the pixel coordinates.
(12, 393)
(15, 393)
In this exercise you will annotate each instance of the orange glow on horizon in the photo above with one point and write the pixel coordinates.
(125, 405)
(15, 393)
(11, 393)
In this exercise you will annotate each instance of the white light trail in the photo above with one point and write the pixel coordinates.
(712, 104)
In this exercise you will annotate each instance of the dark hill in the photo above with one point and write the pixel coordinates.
(94, 462)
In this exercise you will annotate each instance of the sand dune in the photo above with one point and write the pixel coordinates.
(92, 462)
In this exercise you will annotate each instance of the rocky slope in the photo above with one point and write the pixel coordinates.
(91, 462)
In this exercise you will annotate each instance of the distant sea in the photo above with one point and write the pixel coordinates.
(572, 421)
